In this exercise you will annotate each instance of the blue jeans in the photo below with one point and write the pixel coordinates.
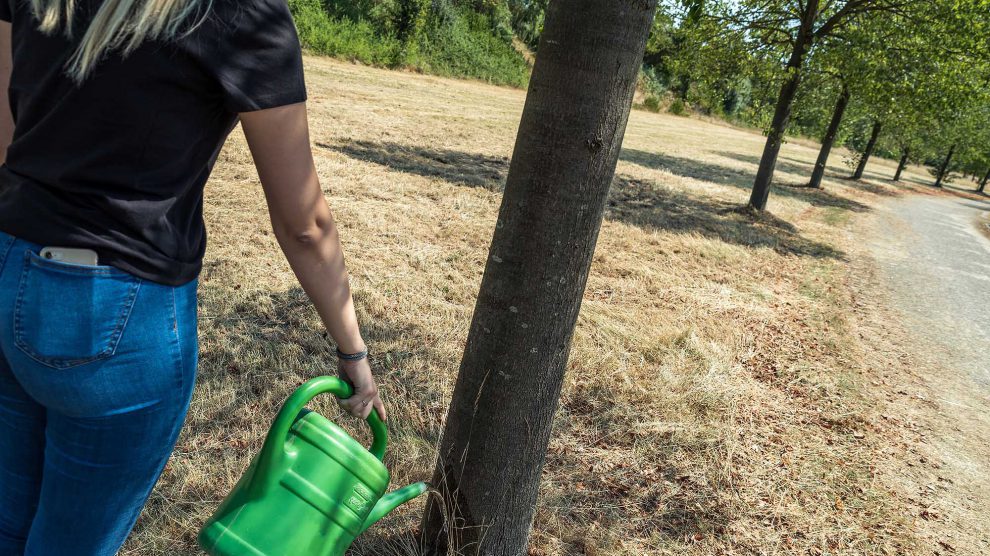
(96, 374)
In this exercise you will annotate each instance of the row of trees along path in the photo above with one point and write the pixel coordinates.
(498, 427)
(918, 70)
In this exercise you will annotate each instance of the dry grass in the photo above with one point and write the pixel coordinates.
(714, 402)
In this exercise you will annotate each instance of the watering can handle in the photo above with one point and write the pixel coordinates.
(274, 450)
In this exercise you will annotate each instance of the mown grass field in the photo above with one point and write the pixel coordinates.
(716, 399)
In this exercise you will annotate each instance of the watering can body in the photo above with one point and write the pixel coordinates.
(311, 491)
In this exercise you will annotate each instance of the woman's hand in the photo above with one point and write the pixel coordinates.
(365, 398)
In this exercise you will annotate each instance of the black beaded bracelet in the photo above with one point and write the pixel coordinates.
(352, 356)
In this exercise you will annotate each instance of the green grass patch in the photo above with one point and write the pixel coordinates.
(837, 216)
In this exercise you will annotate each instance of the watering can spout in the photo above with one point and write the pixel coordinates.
(392, 501)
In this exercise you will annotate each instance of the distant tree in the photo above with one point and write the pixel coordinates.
(972, 131)
(906, 136)
(829, 138)
(966, 132)
(962, 118)
(708, 64)
(938, 109)
(868, 151)
(944, 168)
(885, 78)
(498, 427)
(911, 73)
(858, 62)
(902, 164)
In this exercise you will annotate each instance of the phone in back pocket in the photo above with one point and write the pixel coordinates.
(86, 257)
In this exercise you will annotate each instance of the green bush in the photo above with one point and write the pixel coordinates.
(678, 108)
(738, 95)
(433, 37)
(652, 103)
(652, 82)
(466, 47)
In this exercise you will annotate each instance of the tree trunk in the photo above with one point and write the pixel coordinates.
(901, 165)
(498, 427)
(829, 139)
(874, 135)
(782, 114)
(943, 169)
(983, 182)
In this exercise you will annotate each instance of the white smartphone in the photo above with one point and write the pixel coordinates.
(86, 257)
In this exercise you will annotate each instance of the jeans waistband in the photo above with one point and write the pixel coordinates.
(13, 248)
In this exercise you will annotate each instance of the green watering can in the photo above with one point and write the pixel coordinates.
(311, 490)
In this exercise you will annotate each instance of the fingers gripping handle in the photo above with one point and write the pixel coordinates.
(379, 431)
(273, 454)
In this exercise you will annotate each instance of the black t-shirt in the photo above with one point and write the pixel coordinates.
(118, 163)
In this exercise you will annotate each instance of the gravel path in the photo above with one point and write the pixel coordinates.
(936, 263)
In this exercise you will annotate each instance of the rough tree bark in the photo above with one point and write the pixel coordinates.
(943, 169)
(498, 427)
(782, 114)
(829, 139)
(874, 135)
(902, 164)
(983, 182)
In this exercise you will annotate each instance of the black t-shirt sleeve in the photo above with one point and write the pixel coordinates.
(257, 58)
(6, 12)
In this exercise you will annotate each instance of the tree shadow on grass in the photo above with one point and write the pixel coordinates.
(872, 182)
(490, 172)
(475, 170)
(890, 189)
(785, 165)
(644, 204)
(633, 201)
(972, 197)
(741, 179)
(689, 168)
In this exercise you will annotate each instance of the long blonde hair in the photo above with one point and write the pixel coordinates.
(119, 25)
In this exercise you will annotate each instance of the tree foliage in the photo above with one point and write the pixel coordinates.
(918, 67)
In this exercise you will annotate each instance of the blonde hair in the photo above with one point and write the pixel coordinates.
(119, 25)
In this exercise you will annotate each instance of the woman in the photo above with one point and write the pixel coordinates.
(118, 109)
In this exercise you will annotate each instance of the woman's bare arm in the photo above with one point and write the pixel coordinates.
(6, 66)
(305, 229)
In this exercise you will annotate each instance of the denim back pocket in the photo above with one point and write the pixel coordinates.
(68, 315)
